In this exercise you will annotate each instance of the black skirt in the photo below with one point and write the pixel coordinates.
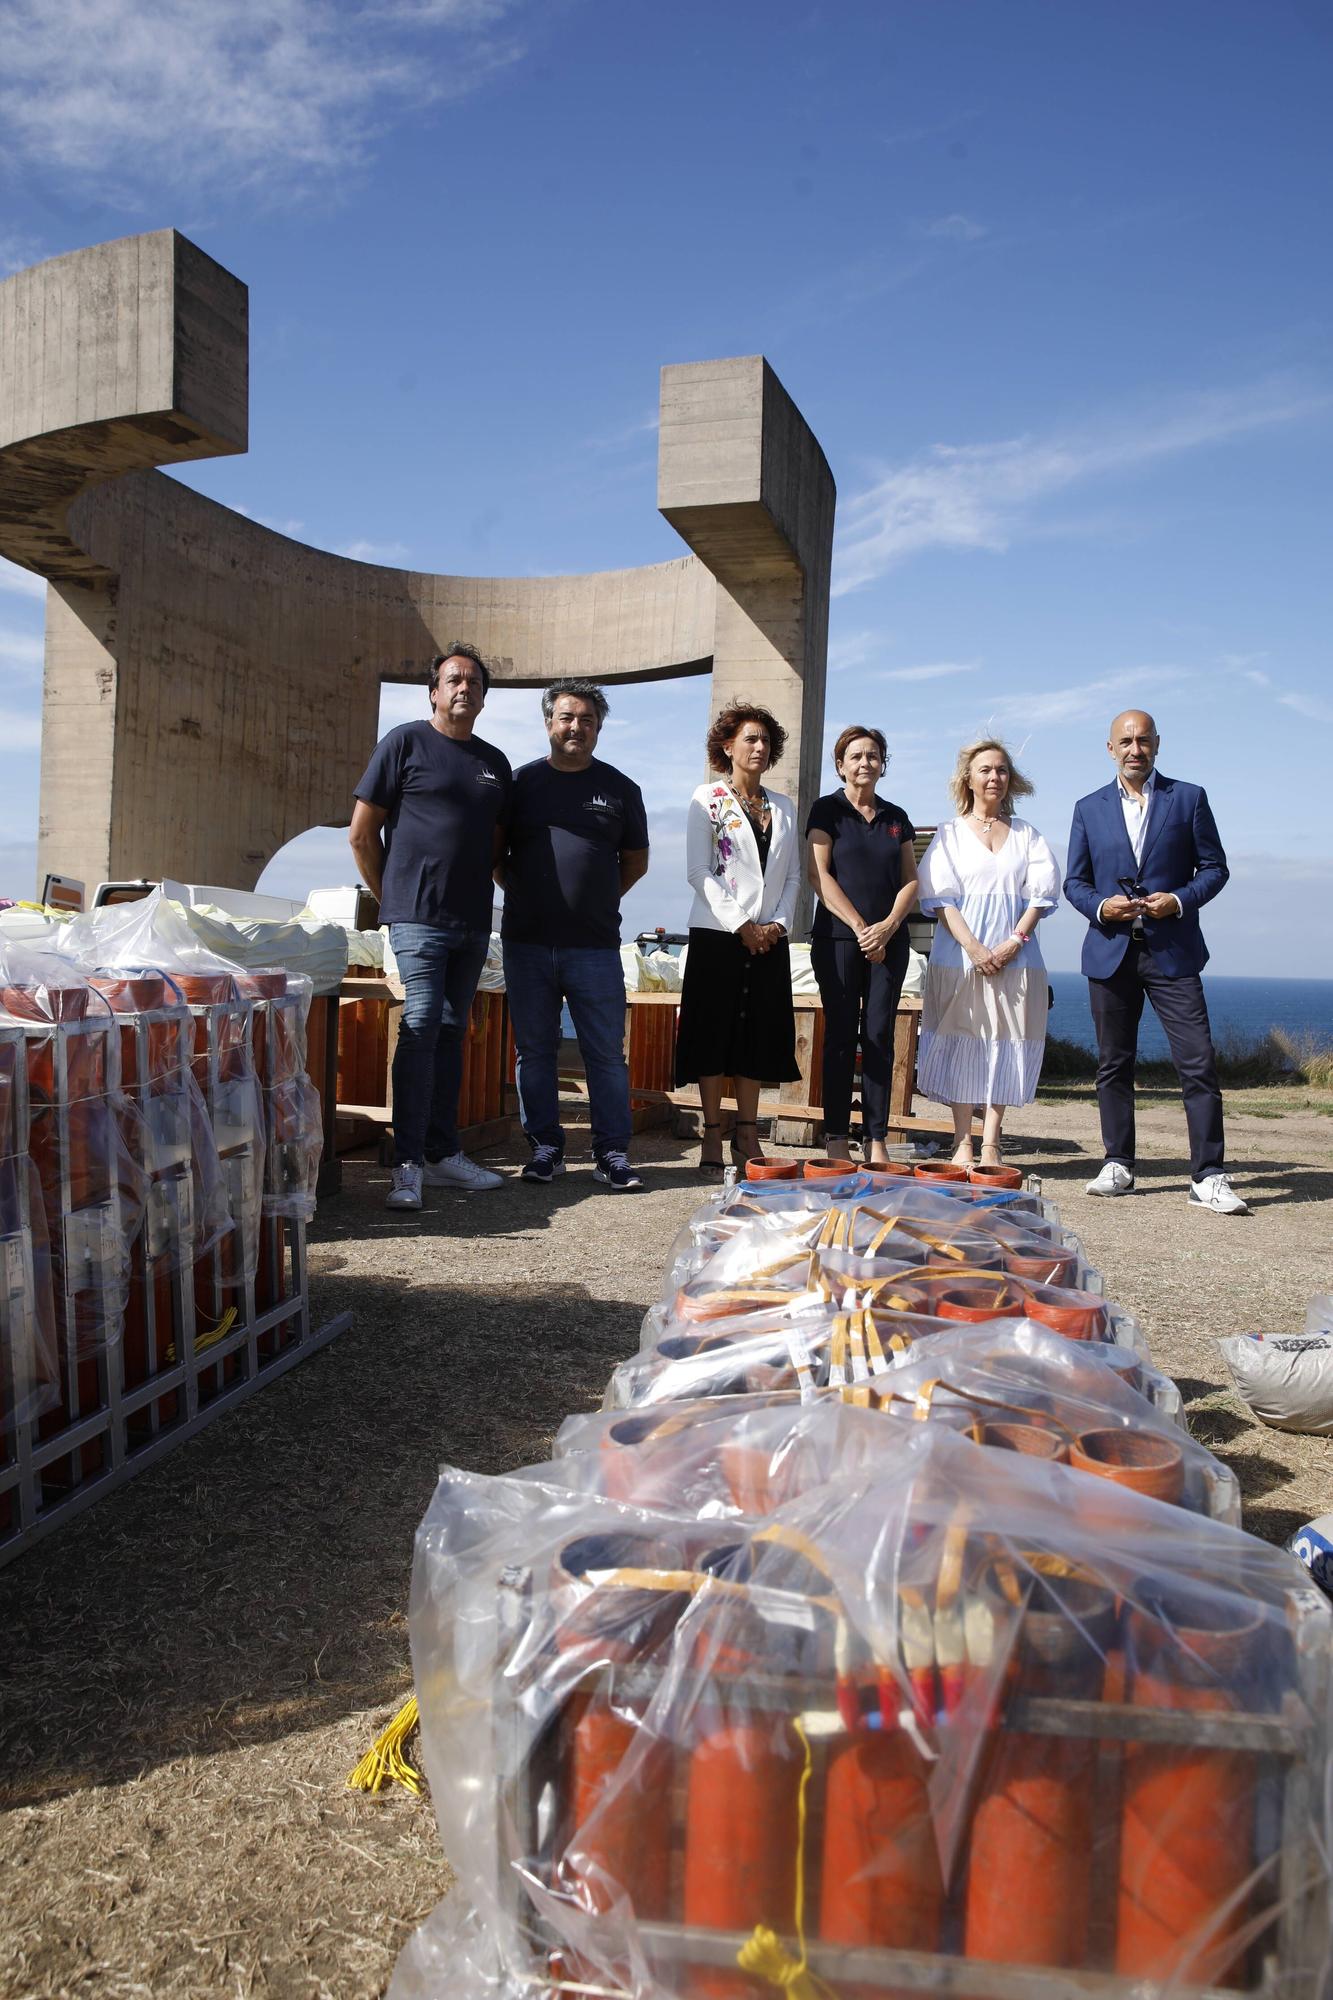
(736, 1016)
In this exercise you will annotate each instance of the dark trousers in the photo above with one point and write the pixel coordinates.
(860, 1001)
(1179, 1004)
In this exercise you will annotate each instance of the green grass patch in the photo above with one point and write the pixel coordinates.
(1243, 1062)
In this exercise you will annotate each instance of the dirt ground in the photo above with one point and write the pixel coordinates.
(189, 1670)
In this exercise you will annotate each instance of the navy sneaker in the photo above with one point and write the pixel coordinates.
(613, 1170)
(545, 1164)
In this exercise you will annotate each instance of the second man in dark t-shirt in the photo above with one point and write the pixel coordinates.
(577, 840)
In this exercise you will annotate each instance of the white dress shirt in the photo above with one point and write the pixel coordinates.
(1137, 813)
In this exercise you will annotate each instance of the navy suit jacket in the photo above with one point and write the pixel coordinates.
(1182, 854)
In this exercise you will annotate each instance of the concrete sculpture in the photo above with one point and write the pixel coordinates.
(212, 688)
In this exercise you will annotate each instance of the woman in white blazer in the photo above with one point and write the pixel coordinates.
(743, 860)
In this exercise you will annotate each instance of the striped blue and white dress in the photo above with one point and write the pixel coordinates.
(982, 1038)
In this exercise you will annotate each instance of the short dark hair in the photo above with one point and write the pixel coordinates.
(460, 650)
(849, 737)
(582, 691)
(729, 725)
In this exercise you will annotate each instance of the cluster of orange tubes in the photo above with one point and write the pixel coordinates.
(156, 1135)
(923, 1674)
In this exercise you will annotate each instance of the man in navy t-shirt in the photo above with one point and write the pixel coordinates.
(427, 831)
(577, 840)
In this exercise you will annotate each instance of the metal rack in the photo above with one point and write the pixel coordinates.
(20, 1321)
(531, 1758)
(186, 1372)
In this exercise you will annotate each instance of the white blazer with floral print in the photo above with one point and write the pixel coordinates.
(722, 862)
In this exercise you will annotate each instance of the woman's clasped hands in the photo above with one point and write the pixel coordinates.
(759, 938)
(988, 959)
(874, 939)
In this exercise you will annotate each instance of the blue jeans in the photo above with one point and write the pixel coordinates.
(439, 965)
(538, 977)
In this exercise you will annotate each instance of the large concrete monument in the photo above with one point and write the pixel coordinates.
(212, 688)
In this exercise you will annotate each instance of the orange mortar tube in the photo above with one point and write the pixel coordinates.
(1188, 1814)
(1030, 1863)
(740, 1836)
(628, 1847)
(881, 1872)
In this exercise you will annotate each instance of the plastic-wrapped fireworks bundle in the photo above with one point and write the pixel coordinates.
(223, 1004)
(766, 1261)
(85, 1141)
(971, 1710)
(794, 1207)
(737, 1455)
(293, 1124)
(1019, 1387)
(186, 1213)
(29, 1357)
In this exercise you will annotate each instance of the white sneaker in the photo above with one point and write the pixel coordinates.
(457, 1170)
(406, 1189)
(1113, 1179)
(1216, 1192)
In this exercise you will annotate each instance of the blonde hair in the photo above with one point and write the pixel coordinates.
(961, 792)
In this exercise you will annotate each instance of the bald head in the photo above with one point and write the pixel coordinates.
(1133, 743)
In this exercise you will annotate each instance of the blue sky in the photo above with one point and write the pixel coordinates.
(1049, 282)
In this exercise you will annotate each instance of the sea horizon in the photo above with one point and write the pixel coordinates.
(1241, 1007)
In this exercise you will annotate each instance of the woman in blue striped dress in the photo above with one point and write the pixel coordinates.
(990, 878)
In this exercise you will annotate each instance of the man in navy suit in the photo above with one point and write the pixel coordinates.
(1144, 856)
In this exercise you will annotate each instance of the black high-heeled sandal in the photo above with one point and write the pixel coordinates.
(712, 1169)
(738, 1153)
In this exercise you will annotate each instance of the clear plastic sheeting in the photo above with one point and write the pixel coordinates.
(293, 1119)
(745, 1455)
(1024, 1389)
(884, 1633)
(186, 1210)
(967, 1712)
(86, 1141)
(295, 1142)
(29, 1357)
(152, 932)
(842, 1233)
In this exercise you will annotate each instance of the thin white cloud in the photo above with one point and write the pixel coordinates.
(984, 496)
(1306, 705)
(20, 582)
(292, 529)
(953, 228)
(144, 95)
(1043, 708)
(1296, 699)
(934, 670)
(853, 649)
(626, 434)
(390, 554)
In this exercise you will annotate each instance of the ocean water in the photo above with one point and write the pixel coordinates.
(1240, 1008)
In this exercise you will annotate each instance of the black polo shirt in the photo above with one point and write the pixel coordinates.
(866, 862)
(444, 798)
(567, 832)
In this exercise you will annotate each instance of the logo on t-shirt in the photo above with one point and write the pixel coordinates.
(486, 776)
(597, 804)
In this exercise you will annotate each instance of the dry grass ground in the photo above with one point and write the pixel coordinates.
(189, 1671)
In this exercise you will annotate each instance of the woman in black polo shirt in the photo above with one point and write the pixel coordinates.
(863, 870)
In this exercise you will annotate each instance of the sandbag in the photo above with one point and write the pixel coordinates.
(1286, 1379)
